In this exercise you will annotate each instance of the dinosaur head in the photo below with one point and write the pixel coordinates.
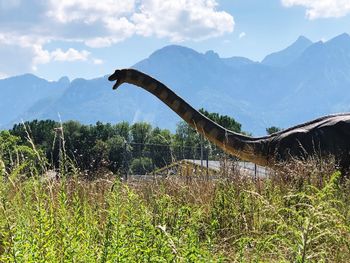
(117, 76)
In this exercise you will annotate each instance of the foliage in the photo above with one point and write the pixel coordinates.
(186, 135)
(160, 147)
(234, 219)
(75, 221)
(142, 165)
(300, 214)
(16, 156)
(292, 225)
(272, 129)
(223, 120)
(114, 147)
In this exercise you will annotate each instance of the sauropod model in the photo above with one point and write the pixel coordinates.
(328, 135)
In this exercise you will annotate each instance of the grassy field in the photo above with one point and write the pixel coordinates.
(300, 214)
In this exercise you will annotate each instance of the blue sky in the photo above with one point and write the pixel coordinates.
(89, 38)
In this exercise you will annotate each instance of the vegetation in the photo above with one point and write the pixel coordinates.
(223, 120)
(302, 219)
(301, 213)
(118, 148)
(272, 129)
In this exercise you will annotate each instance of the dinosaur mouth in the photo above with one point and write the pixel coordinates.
(115, 77)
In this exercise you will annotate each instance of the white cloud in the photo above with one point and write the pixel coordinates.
(242, 35)
(24, 54)
(182, 19)
(104, 22)
(99, 42)
(34, 49)
(119, 30)
(97, 61)
(89, 11)
(3, 75)
(70, 55)
(321, 8)
(41, 56)
(116, 20)
(28, 26)
(26, 50)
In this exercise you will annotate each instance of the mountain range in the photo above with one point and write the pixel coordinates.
(301, 82)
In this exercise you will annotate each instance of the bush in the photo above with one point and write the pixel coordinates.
(142, 165)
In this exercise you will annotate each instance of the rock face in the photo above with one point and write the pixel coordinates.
(299, 83)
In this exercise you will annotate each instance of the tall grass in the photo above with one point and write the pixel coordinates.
(301, 214)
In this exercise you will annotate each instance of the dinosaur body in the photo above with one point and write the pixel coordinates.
(329, 135)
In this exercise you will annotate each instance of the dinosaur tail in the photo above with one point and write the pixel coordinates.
(241, 146)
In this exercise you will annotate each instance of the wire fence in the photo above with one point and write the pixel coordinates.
(154, 160)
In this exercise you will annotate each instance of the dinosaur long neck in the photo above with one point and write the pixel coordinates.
(243, 147)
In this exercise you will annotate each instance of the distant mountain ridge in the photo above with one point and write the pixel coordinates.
(20, 93)
(288, 55)
(296, 84)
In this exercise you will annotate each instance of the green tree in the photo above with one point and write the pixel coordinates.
(223, 120)
(8, 149)
(140, 135)
(14, 154)
(78, 143)
(141, 132)
(102, 131)
(119, 154)
(123, 129)
(40, 132)
(142, 165)
(185, 135)
(272, 129)
(159, 147)
(187, 141)
(100, 153)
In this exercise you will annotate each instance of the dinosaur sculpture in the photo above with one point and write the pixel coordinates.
(329, 135)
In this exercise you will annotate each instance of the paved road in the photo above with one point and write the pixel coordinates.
(246, 168)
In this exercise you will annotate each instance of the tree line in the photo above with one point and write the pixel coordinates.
(120, 147)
